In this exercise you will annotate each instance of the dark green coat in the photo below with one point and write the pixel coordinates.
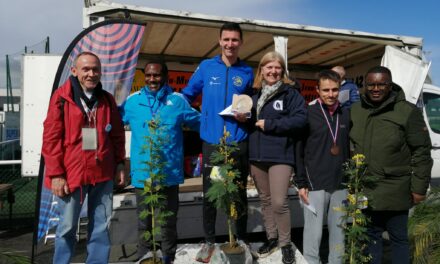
(397, 148)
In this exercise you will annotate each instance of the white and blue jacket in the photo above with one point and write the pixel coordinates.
(172, 111)
(218, 83)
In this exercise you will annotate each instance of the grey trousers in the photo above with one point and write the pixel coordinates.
(272, 182)
(325, 204)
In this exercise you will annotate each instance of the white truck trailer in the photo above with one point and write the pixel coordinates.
(183, 39)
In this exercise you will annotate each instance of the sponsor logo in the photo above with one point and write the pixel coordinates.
(169, 102)
(278, 105)
(238, 81)
(214, 80)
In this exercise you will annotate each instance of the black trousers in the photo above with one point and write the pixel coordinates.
(209, 210)
(169, 230)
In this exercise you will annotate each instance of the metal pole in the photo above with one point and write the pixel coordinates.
(10, 162)
(9, 98)
(47, 48)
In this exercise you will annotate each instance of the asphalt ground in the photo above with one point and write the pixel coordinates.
(19, 242)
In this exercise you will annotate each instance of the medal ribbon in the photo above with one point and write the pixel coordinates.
(91, 113)
(334, 135)
(153, 113)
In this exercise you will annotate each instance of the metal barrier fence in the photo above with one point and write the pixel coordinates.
(24, 190)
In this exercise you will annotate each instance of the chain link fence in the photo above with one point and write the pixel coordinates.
(17, 211)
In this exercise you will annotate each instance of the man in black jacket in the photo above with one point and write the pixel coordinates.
(320, 153)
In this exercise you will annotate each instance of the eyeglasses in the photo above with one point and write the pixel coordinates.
(381, 86)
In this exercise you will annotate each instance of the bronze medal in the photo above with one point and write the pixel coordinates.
(334, 150)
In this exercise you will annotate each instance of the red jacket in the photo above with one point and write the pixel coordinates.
(62, 140)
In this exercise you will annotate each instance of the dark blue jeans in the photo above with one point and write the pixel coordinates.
(396, 223)
(99, 211)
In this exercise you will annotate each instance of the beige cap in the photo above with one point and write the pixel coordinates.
(241, 103)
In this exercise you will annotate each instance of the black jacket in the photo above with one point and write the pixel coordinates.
(317, 168)
(284, 115)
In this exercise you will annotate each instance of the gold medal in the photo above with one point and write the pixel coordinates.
(334, 150)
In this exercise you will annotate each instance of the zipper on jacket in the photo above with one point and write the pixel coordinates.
(258, 145)
(308, 177)
(226, 96)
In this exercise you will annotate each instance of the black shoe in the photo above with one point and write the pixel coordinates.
(268, 247)
(288, 254)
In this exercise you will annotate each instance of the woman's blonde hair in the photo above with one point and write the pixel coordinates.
(269, 57)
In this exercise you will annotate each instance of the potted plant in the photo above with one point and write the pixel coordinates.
(355, 221)
(152, 193)
(224, 190)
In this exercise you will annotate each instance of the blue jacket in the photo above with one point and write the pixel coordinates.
(173, 111)
(284, 115)
(218, 83)
(348, 93)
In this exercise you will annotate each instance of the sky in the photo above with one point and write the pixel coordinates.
(26, 22)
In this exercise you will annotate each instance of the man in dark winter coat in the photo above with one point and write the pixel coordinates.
(392, 135)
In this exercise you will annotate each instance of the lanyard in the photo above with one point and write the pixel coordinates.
(91, 113)
(153, 112)
(334, 135)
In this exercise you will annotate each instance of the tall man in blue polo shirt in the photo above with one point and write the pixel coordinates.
(218, 79)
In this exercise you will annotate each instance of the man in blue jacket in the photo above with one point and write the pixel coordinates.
(218, 79)
(349, 92)
(157, 104)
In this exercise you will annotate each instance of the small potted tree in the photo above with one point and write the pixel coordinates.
(152, 193)
(224, 192)
(355, 226)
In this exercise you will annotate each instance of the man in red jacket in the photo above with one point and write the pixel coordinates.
(84, 150)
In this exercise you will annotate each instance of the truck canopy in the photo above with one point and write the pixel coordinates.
(191, 37)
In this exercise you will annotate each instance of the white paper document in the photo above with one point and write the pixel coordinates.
(229, 112)
(308, 206)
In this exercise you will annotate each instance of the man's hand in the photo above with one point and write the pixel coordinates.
(418, 198)
(240, 117)
(260, 124)
(304, 195)
(59, 186)
(120, 175)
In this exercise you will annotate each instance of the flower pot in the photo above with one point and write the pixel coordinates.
(235, 253)
(151, 261)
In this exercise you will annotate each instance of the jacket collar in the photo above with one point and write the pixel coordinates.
(159, 95)
(218, 59)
